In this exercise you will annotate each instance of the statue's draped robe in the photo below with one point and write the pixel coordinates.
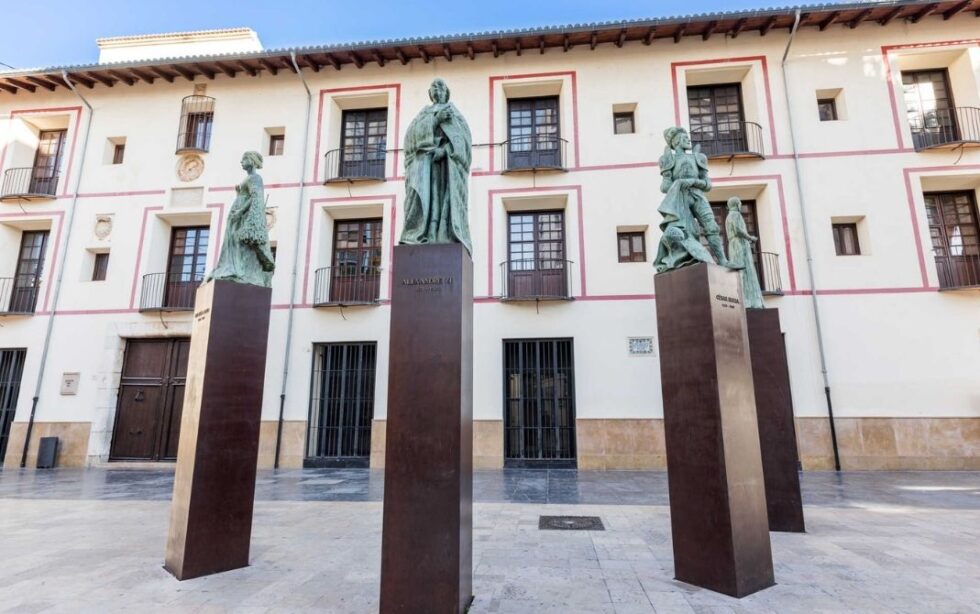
(436, 192)
(245, 254)
(678, 206)
(740, 255)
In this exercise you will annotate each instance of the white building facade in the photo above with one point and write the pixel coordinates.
(853, 154)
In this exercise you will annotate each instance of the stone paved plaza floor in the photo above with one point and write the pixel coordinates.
(93, 540)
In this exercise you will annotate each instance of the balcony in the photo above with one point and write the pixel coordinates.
(28, 184)
(19, 294)
(352, 165)
(534, 153)
(345, 286)
(730, 140)
(165, 292)
(196, 120)
(767, 268)
(536, 280)
(945, 128)
(958, 272)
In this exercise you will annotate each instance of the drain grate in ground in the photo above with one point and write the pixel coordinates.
(570, 523)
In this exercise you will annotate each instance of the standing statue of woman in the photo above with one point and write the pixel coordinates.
(245, 254)
(740, 254)
(685, 181)
(437, 167)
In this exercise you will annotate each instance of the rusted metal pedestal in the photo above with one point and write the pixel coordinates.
(774, 408)
(714, 466)
(214, 486)
(426, 542)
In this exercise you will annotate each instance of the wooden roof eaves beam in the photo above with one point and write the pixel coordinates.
(42, 82)
(447, 52)
(929, 10)
(767, 26)
(738, 27)
(517, 44)
(248, 69)
(122, 77)
(854, 23)
(400, 55)
(183, 72)
(8, 88)
(424, 54)
(566, 43)
(709, 30)
(593, 40)
(22, 85)
(648, 39)
(166, 76)
(541, 44)
(494, 48)
(86, 81)
(228, 70)
(887, 19)
(621, 39)
(472, 54)
(679, 33)
(207, 72)
(955, 10)
(376, 55)
(356, 59)
(827, 22)
(142, 75)
(272, 68)
(310, 62)
(106, 81)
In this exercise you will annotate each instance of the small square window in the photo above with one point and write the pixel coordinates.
(828, 109)
(118, 152)
(632, 247)
(846, 240)
(277, 144)
(101, 267)
(623, 123)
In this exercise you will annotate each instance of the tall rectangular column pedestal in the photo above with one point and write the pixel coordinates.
(777, 433)
(714, 466)
(426, 541)
(214, 485)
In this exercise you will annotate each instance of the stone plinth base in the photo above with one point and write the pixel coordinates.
(714, 466)
(774, 409)
(426, 543)
(214, 485)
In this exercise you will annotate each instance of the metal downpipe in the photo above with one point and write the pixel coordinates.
(296, 241)
(809, 252)
(61, 272)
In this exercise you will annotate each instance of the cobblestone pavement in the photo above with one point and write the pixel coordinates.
(93, 541)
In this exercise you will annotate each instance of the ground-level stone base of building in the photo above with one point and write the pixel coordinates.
(72, 443)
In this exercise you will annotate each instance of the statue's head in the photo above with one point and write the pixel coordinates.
(677, 138)
(673, 235)
(734, 203)
(439, 91)
(251, 160)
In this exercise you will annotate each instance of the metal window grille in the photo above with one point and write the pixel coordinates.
(539, 393)
(341, 403)
(196, 118)
(11, 370)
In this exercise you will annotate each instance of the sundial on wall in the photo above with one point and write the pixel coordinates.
(190, 167)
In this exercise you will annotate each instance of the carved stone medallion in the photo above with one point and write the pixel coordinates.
(190, 167)
(103, 226)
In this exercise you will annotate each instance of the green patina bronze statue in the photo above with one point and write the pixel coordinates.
(245, 254)
(437, 167)
(740, 254)
(685, 180)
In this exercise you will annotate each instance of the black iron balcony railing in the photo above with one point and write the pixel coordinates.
(340, 286)
(543, 279)
(534, 153)
(28, 183)
(945, 128)
(767, 268)
(19, 294)
(958, 271)
(730, 140)
(165, 292)
(355, 164)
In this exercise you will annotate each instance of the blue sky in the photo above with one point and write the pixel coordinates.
(64, 31)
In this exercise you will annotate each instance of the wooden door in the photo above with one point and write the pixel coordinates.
(362, 147)
(47, 161)
(186, 267)
(717, 118)
(930, 108)
(30, 264)
(955, 233)
(151, 395)
(533, 133)
(536, 261)
(356, 273)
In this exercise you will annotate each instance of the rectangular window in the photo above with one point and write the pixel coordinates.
(533, 133)
(748, 214)
(930, 108)
(536, 265)
(955, 233)
(355, 276)
(623, 123)
(364, 134)
(277, 144)
(27, 276)
(342, 404)
(828, 109)
(539, 402)
(47, 161)
(101, 267)
(118, 152)
(198, 134)
(186, 265)
(632, 247)
(846, 240)
(717, 118)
